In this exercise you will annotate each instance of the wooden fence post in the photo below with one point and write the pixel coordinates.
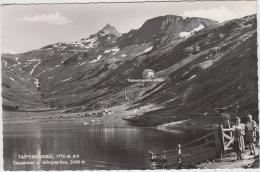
(164, 159)
(179, 158)
(222, 139)
(152, 158)
(218, 143)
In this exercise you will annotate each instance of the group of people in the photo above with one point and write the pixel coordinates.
(244, 132)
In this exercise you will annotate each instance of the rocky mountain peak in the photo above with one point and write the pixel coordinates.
(162, 27)
(175, 24)
(108, 29)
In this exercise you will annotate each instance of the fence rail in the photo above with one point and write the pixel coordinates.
(207, 147)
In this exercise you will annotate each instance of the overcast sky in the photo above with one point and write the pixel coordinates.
(28, 27)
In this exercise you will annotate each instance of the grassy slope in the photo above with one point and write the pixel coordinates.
(229, 82)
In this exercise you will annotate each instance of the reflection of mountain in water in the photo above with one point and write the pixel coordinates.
(103, 148)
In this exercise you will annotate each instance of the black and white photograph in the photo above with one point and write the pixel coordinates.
(129, 85)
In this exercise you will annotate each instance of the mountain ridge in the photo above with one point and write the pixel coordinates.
(92, 73)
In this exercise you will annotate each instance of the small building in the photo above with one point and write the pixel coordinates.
(148, 74)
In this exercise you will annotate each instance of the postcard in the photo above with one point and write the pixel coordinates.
(129, 85)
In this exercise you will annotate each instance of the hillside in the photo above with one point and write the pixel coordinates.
(221, 74)
(203, 65)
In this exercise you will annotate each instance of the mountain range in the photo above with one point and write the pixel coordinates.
(203, 65)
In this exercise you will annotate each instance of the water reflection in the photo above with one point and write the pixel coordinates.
(102, 147)
(38, 149)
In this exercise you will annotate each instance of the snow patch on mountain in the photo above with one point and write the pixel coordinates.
(206, 64)
(198, 28)
(26, 64)
(5, 62)
(107, 51)
(36, 82)
(43, 71)
(17, 59)
(103, 34)
(86, 43)
(185, 73)
(78, 43)
(82, 63)
(64, 80)
(96, 60)
(190, 78)
(171, 100)
(114, 50)
(12, 79)
(63, 60)
(33, 60)
(186, 34)
(53, 92)
(148, 49)
(34, 67)
(91, 42)
(54, 67)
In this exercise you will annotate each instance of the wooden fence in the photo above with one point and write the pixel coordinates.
(208, 147)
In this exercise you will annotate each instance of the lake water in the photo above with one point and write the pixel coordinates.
(90, 147)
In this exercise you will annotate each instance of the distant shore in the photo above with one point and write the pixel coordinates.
(114, 115)
(117, 115)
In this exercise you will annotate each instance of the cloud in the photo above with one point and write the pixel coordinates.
(55, 19)
(220, 14)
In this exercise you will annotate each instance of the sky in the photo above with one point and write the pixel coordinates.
(29, 27)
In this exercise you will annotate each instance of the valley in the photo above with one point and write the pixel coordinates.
(203, 65)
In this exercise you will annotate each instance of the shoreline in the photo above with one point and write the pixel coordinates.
(118, 116)
(114, 115)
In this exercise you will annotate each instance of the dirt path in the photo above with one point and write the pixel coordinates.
(229, 161)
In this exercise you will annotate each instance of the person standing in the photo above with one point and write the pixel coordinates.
(239, 132)
(251, 133)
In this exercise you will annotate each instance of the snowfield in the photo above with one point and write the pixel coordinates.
(33, 60)
(82, 63)
(148, 49)
(12, 79)
(206, 64)
(114, 50)
(43, 71)
(36, 82)
(17, 59)
(65, 80)
(193, 76)
(5, 62)
(92, 42)
(96, 60)
(186, 34)
(34, 67)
